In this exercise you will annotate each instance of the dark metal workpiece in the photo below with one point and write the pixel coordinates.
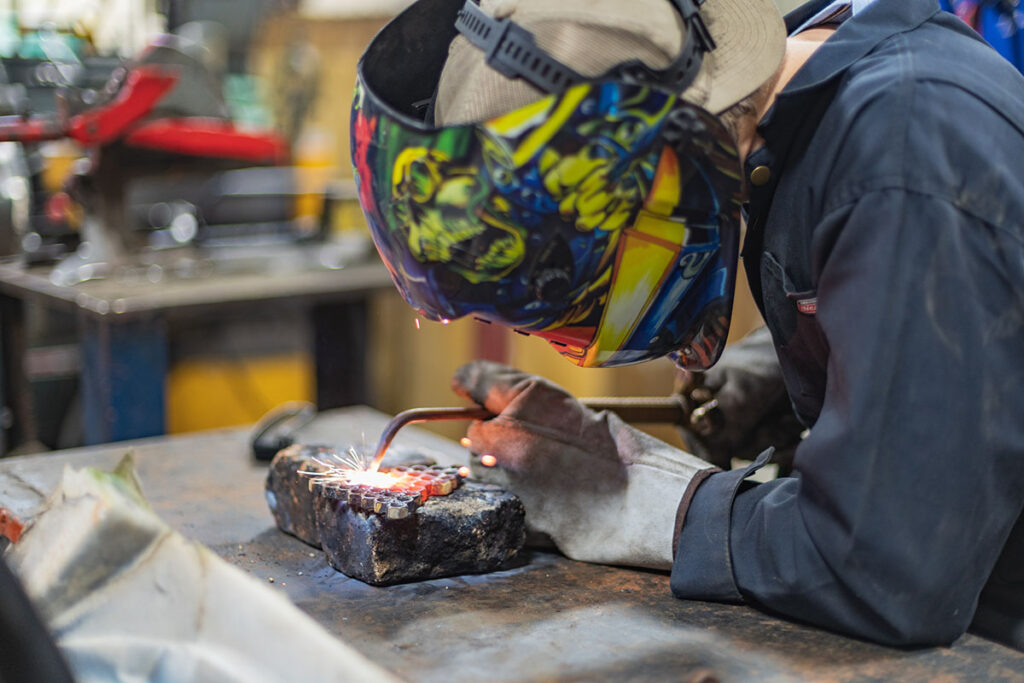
(290, 494)
(476, 529)
(331, 489)
(385, 536)
(641, 409)
(300, 467)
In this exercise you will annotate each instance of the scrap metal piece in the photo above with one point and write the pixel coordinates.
(477, 528)
(398, 509)
(331, 489)
(288, 491)
(303, 473)
(401, 533)
(441, 487)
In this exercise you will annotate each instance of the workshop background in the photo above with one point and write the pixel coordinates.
(237, 287)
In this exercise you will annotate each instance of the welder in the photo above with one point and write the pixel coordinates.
(582, 171)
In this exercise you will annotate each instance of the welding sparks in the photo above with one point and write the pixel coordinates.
(488, 460)
(346, 474)
(417, 323)
(394, 493)
(349, 468)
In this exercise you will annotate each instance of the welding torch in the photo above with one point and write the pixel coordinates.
(645, 410)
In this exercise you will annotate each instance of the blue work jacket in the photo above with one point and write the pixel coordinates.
(885, 250)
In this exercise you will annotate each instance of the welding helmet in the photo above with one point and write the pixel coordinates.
(603, 217)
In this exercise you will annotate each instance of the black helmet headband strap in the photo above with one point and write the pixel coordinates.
(512, 51)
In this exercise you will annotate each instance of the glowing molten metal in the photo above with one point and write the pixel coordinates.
(378, 480)
(394, 493)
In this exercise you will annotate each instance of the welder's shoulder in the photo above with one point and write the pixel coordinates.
(936, 113)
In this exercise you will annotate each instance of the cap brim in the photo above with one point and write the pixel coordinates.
(749, 35)
(750, 41)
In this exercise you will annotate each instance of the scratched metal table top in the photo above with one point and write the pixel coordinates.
(546, 618)
(111, 299)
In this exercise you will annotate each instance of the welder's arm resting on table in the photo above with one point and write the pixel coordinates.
(907, 488)
(600, 489)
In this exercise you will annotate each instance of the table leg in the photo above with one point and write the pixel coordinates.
(6, 414)
(17, 419)
(124, 368)
(341, 353)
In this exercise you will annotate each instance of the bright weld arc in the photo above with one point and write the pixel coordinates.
(352, 471)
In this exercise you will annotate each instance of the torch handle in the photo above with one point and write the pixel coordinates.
(639, 409)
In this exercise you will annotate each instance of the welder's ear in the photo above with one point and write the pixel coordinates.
(492, 385)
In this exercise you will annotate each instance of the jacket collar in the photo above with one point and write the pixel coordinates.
(793, 115)
(858, 36)
(853, 40)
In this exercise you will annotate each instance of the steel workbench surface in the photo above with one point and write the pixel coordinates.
(124, 300)
(125, 327)
(545, 618)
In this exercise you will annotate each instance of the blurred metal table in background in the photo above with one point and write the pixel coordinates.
(547, 618)
(123, 328)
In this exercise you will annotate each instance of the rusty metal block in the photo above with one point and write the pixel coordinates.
(476, 529)
(288, 493)
(430, 524)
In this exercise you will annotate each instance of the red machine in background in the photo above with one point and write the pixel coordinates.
(180, 211)
(159, 120)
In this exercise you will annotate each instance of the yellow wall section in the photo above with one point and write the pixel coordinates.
(216, 392)
(413, 367)
(654, 378)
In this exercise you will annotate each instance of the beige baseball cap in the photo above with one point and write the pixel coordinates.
(591, 36)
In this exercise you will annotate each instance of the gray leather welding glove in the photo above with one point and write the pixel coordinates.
(601, 490)
(740, 406)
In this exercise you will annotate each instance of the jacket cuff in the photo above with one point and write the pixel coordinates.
(703, 564)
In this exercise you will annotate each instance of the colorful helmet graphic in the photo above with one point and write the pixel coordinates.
(603, 218)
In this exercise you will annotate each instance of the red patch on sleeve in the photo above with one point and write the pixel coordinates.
(807, 306)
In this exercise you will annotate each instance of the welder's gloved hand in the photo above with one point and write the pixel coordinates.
(601, 490)
(740, 407)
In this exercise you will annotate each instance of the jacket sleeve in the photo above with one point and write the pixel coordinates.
(909, 483)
